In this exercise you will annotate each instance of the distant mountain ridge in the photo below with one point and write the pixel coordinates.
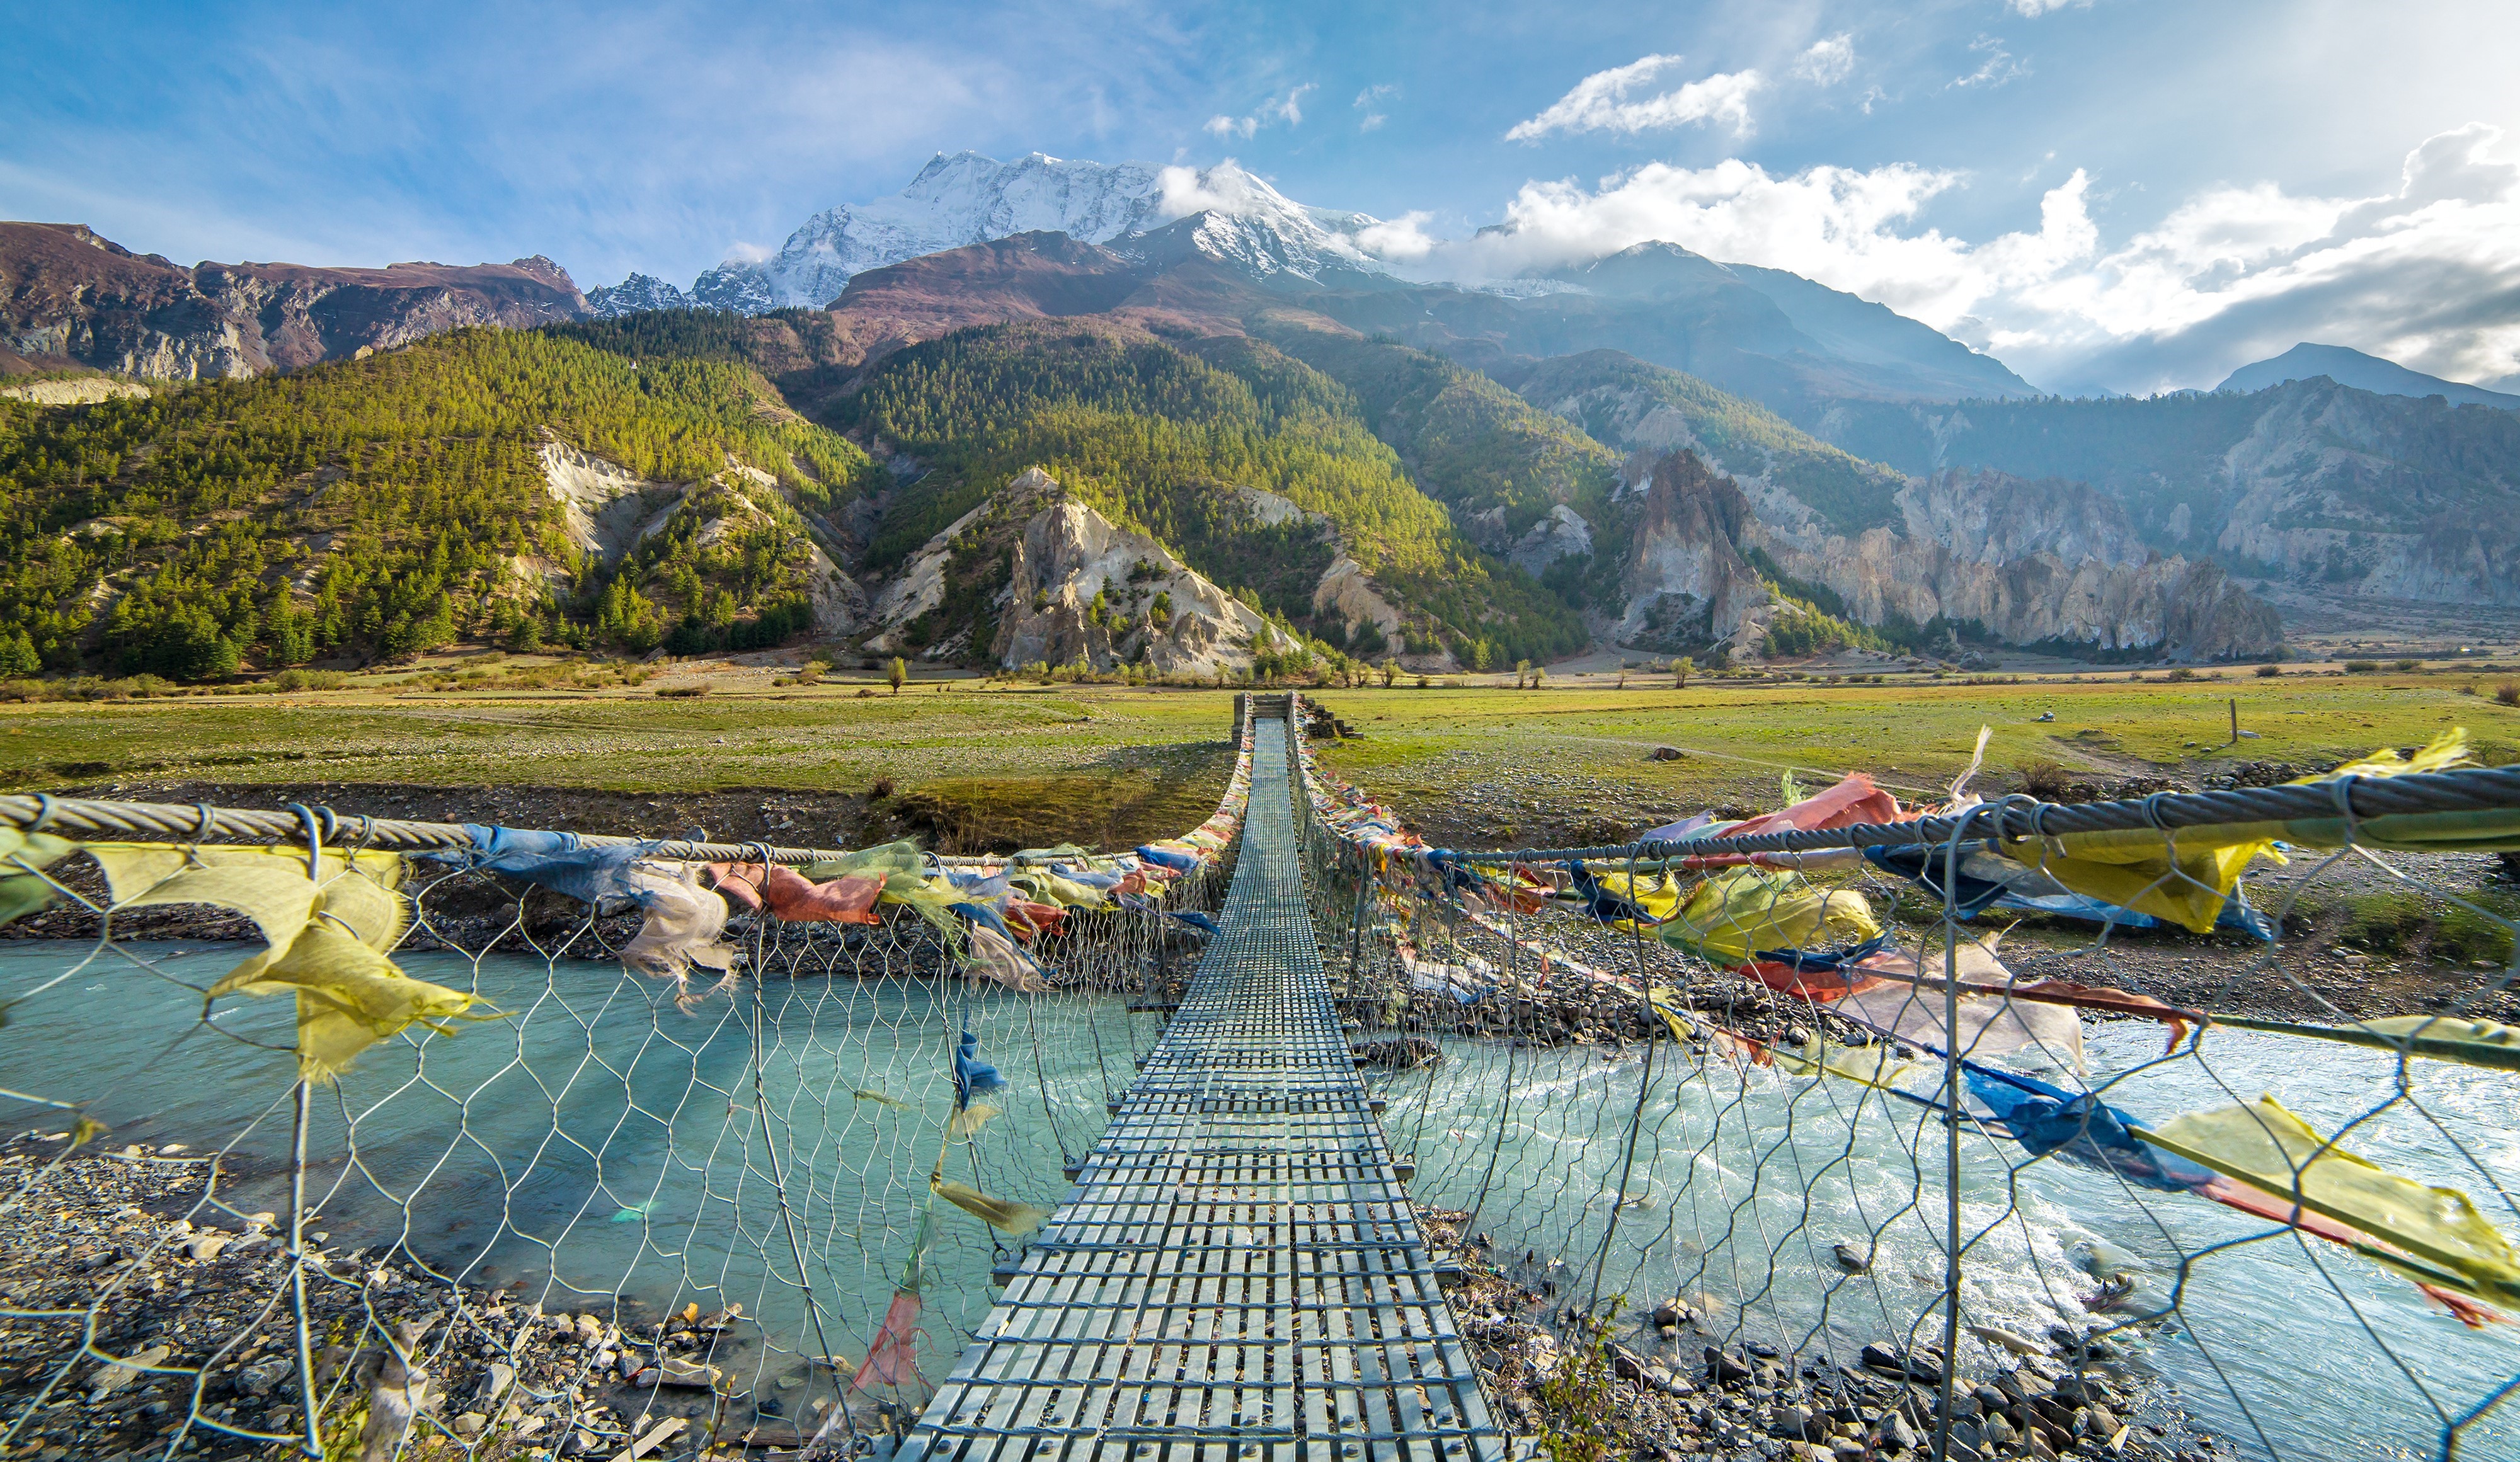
(2365, 372)
(2331, 486)
(965, 199)
(68, 297)
(1781, 338)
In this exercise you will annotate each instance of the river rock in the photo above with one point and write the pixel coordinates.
(118, 1374)
(674, 1370)
(262, 1377)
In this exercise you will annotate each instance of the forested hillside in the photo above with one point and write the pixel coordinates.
(380, 506)
(1158, 438)
(1627, 402)
(1468, 441)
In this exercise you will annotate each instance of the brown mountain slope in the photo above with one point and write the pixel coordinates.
(68, 297)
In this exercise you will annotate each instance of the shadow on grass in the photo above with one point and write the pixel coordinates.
(1112, 806)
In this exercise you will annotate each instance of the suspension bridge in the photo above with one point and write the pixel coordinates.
(1238, 1273)
(682, 1192)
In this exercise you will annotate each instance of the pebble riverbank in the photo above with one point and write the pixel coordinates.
(1666, 1384)
(142, 1316)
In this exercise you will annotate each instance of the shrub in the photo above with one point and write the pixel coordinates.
(2408, 664)
(2360, 667)
(2269, 672)
(686, 692)
(2180, 673)
(2045, 780)
(2508, 694)
(879, 789)
(309, 680)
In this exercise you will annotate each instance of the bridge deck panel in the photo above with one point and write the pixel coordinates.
(1237, 1275)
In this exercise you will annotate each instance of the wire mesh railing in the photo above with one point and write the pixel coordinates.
(2157, 1129)
(507, 1143)
(1976, 1129)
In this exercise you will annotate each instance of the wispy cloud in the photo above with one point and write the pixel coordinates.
(1287, 108)
(1995, 64)
(1599, 102)
(2037, 8)
(1370, 98)
(1829, 62)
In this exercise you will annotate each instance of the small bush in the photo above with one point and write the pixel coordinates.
(2180, 673)
(2045, 780)
(309, 680)
(2269, 672)
(879, 789)
(2360, 667)
(686, 692)
(2508, 694)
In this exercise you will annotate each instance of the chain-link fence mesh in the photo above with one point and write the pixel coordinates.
(502, 1148)
(1702, 1115)
(2179, 1185)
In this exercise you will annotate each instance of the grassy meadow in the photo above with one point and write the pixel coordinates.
(997, 760)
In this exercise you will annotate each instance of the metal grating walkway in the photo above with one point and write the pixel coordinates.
(1238, 1273)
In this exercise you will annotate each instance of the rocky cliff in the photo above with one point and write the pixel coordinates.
(1033, 575)
(720, 530)
(67, 296)
(2335, 488)
(1683, 583)
(2026, 562)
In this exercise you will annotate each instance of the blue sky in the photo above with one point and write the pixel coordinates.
(2116, 193)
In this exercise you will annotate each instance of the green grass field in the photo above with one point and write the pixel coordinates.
(1509, 764)
(1467, 764)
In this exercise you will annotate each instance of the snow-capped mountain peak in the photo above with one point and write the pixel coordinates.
(640, 291)
(962, 198)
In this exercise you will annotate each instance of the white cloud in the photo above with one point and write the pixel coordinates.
(2426, 273)
(1402, 241)
(1368, 98)
(2033, 9)
(1829, 62)
(1996, 67)
(1599, 102)
(1288, 109)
